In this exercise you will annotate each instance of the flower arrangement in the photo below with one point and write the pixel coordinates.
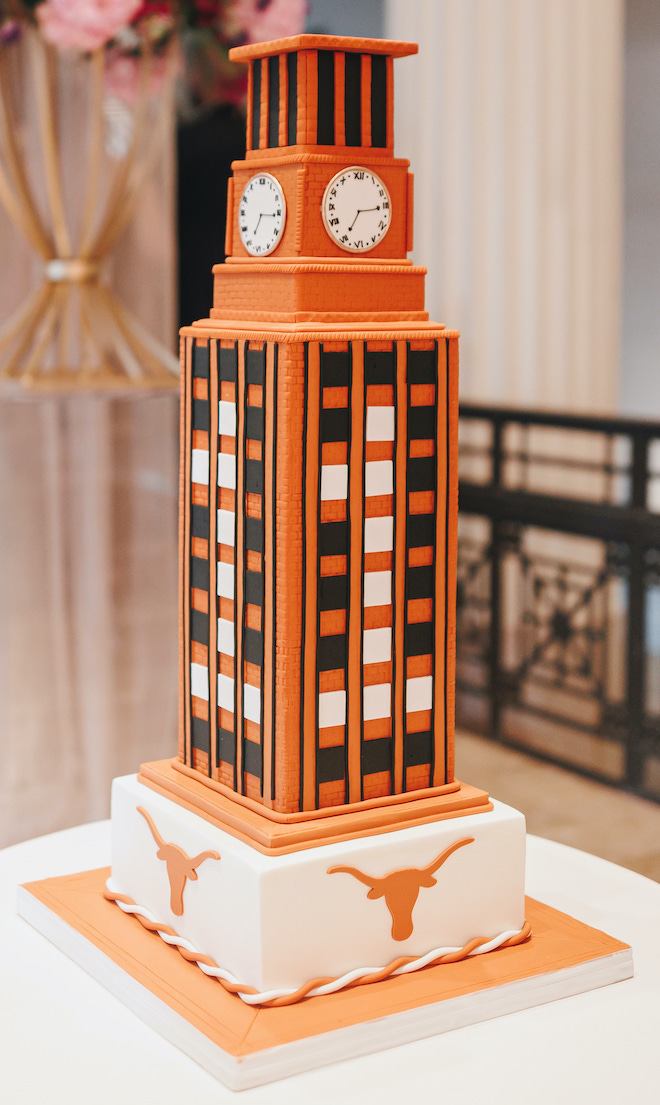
(126, 29)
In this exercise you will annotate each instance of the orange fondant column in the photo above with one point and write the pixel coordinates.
(310, 623)
(269, 665)
(452, 544)
(185, 752)
(289, 554)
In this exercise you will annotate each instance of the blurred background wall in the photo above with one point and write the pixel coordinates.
(640, 344)
(534, 134)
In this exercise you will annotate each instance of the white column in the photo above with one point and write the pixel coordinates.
(511, 116)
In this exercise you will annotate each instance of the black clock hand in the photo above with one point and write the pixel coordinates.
(361, 211)
(264, 215)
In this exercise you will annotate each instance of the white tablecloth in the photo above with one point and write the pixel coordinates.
(64, 1039)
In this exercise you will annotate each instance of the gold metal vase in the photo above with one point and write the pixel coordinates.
(72, 192)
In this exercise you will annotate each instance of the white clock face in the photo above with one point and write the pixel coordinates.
(356, 209)
(261, 214)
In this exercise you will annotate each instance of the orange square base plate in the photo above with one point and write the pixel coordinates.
(245, 1046)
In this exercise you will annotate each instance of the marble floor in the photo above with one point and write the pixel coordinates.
(565, 807)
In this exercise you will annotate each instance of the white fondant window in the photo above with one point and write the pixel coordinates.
(377, 701)
(227, 418)
(419, 693)
(225, 637)
(252, 703)
(332, 709)
(377, 588)
(227, 470)
(380, 423)
(199, 681)
(226, 527)
(225, 580)
(200, 466)
(378, 534)
(377, 646)
(378, 477)
(334, 481)
(226, 693)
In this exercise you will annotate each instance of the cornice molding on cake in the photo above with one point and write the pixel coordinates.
(392, 48)
(402, 266)
(299, 154)
(286, 332)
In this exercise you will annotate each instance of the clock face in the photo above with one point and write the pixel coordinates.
(261, 214)
(356, 209)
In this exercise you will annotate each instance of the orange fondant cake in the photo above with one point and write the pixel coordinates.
(311, 831)
(310, 835)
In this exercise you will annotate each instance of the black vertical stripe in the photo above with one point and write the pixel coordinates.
(378, 100)
(292, 99)
(256, 102)
(274, 556)
(274, 100)
(325, 118)
(335, 371)
(421, 366)
(353, 99)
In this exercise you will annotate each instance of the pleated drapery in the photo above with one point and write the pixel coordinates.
(88, 521)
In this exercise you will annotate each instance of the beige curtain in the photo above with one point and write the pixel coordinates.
(512, 117)
(88, 507)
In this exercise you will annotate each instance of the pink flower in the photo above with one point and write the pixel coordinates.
(84, 24)
(261, 20)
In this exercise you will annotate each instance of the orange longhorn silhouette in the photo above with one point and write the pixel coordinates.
(401, 888)
(180, 866)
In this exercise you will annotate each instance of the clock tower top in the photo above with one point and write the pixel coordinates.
(320, 212)
(321, 90)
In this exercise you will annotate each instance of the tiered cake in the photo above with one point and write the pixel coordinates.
(311, 827)
(309, 848)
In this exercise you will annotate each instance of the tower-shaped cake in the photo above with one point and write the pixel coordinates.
(318, 548)
(319, 478)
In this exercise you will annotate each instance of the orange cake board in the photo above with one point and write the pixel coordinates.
(245, 1046)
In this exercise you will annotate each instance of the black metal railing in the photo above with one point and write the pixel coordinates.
(558, 629)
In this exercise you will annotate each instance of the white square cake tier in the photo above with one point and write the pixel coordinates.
(279, 921)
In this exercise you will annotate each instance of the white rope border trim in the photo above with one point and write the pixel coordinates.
(351, 977)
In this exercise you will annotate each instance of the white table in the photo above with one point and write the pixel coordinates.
(64, 1039)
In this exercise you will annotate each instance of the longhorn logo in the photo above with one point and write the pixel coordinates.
(401, 888)
(180, 866)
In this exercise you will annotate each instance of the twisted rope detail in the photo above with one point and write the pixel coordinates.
(317, 986)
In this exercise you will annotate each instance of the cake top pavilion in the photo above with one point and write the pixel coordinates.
(320, 183)
(320, 90)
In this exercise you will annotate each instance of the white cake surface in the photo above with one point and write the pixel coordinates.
(279, 921)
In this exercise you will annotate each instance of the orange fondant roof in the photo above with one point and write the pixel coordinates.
(323, 42)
